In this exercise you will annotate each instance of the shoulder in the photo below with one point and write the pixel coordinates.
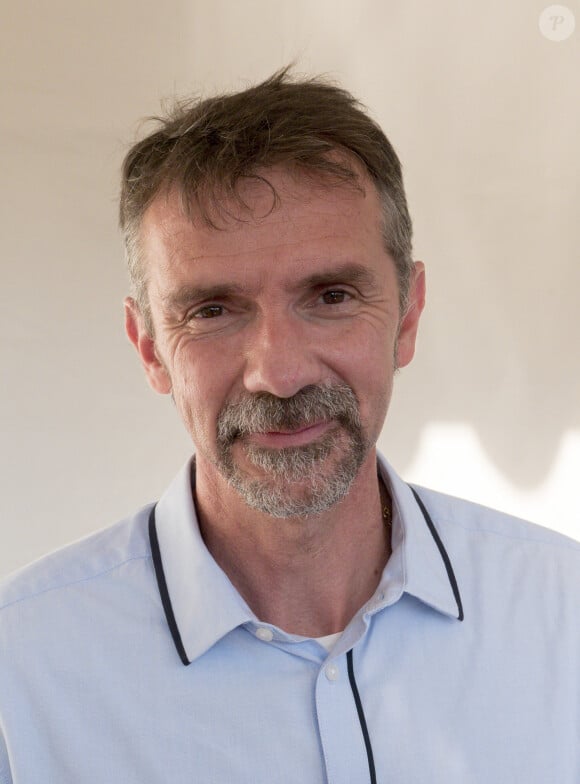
(101, 554)
(511, 573)
(502, 556)
(495, 547)
(450, 512)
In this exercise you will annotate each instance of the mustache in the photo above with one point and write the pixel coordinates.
(263, 412)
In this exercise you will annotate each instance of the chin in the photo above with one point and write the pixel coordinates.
(298, 481)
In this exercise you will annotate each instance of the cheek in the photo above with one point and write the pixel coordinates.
(375, 399)
(372, 379)
(200, 389)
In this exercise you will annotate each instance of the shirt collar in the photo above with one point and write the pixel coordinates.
(419, 564)
(202, 605)
(203, 602)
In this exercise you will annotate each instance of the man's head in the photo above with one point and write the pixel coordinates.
(205, 149)
(269, 296)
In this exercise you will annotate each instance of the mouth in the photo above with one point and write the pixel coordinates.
(279, 439)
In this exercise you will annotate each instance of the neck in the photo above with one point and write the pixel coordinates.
(310, 575)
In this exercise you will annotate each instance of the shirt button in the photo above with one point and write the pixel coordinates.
(332, 672)
(266, 635)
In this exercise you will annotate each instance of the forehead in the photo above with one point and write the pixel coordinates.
(280, 216)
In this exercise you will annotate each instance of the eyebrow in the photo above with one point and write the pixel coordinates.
(348, 272)
(189, 293)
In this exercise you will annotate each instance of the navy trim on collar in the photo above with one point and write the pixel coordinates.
(163, 592)
(443, 553)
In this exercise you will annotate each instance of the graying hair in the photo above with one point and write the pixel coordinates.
(205, 148)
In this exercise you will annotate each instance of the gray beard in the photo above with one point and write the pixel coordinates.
(299, 481)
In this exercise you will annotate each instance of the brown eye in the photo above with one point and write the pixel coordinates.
(334, 297)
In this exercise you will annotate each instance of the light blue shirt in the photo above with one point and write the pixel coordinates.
(112, 673)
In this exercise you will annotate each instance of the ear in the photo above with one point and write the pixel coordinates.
(410, 321)
(139, 336)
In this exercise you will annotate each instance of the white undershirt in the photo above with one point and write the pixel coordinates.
(328, 640)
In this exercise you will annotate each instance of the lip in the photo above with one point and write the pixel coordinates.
(278, 439)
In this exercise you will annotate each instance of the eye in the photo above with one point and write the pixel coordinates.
(335, 297)
(208, 312)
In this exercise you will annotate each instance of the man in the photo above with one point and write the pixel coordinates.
(290, 610)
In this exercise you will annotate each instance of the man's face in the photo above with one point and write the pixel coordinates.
(278, 336)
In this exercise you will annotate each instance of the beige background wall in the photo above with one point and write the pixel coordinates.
(485, 114)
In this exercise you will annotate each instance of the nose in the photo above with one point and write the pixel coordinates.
(280, 356)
